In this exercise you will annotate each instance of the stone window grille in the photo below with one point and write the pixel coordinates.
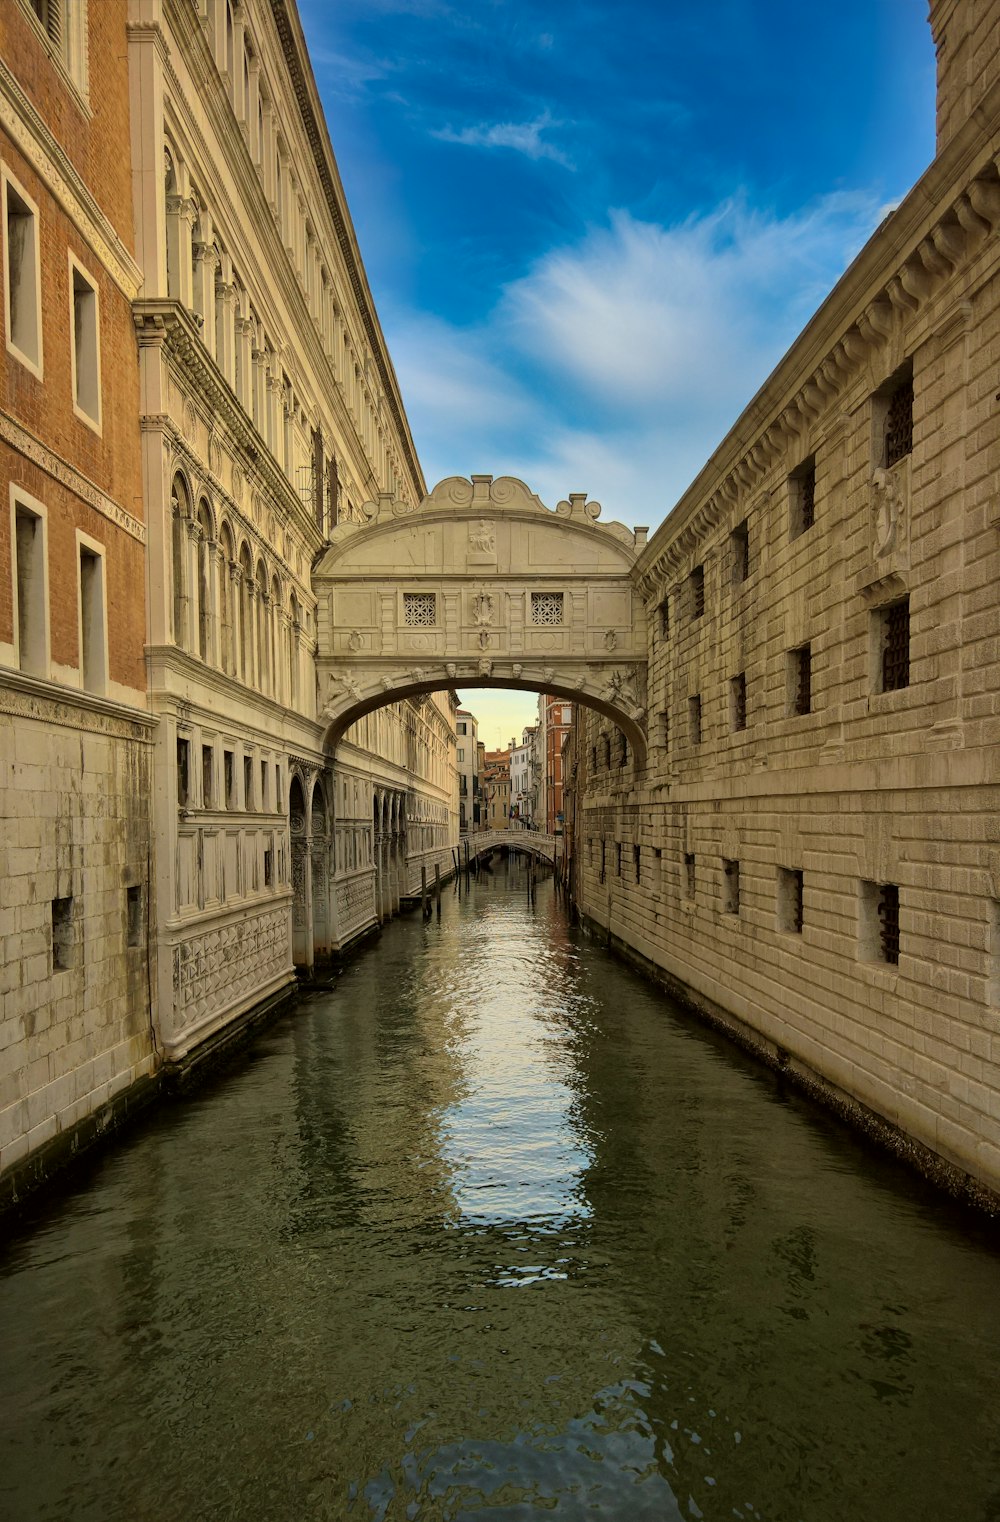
(689, 873)
(800, 680)
(878, 922)
(888, 920)
(546, 608)
(790, 899)
(637, 862)
(419, 609)
(894, 641)
(694, 718)
(62, 934)
(696, 582)
(731, 886)
(899, 423)
(738, 694)
(803, 498)
(739, 541)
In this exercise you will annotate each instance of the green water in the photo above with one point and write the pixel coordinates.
(491, 1229)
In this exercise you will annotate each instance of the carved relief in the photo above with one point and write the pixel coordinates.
(888, 510)
(223, 967)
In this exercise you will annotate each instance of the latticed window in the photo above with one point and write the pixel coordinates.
(738, 687)
(697, 586)
(740, 541)
(899, 423)
(896, 645)
(888, 921)
(419, 609)
(546, 607)
(801, 680)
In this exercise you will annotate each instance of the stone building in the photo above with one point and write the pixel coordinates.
(469, 769)
(812, 853)
(76, 1031)
(270, 411)
(496, 790)
(521, 779)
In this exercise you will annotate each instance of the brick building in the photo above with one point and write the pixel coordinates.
(75, 752)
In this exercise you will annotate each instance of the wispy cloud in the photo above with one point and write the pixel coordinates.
(617, 363)
(522, 137)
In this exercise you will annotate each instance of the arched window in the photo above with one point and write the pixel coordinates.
(180, 511)
(263, 681)
(246, 592)
(204, 580)
(226, 558)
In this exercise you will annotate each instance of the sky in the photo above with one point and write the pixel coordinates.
(592, 230)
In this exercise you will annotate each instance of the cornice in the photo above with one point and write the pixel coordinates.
(17, 436)
(167, 325)
(32, 697)
(940, 231)
(310, 110)
(33, 137)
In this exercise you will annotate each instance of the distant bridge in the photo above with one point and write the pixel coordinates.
(534, 842)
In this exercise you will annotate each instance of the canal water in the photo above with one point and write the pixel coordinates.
(490, 1228)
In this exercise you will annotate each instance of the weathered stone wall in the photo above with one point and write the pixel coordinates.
(824, 690)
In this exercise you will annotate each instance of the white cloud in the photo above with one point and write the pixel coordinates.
(616, 365)
(522, 137)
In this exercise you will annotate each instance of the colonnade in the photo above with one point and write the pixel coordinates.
(389, 818)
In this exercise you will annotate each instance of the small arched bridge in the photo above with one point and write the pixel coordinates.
(533, 842)
(481, 585)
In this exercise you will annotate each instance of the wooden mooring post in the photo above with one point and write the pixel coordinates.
(425, 907)
(437, 886)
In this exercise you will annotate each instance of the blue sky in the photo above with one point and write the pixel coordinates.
(592, 230)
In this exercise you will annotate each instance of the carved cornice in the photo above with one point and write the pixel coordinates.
(26, 444)
(52, 164)
(30, 697)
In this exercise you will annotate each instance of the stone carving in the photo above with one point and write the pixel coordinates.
(610, 640)
(344, 685)
(354, 641)
(26, 444)
(485, 667)
(888, 508)
(214, 455)
(483, 608)
(214, 972)
(484, 639)
(236, 485)
(451, 670)
(516, 670)
(482, 538)
(189, 420)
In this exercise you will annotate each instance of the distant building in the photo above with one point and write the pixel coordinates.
(496, 790)
(522, 811)
(555, 718)
(469, 769)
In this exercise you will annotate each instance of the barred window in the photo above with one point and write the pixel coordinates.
(894, 640)
(800, 680)
(694, 718)
(803, 498)
(546, 607)
(899, 423)
(738, 699)
(790, 900)
(665, 618)
(696, 583)
(739, 539)
(731, 886)
(689, 873)
(419, 609)
(888, 918)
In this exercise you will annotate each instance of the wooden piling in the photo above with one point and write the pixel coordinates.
(425, 907)
(437, 886)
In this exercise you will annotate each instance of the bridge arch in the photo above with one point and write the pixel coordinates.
(481, 585)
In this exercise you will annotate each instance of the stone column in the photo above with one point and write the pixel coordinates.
(236, 616)
(215, 562)
(243, 360)
(264, 634)
(203, 290)
(225, 327)
(239, 41)
(253, 112)
(192, 550)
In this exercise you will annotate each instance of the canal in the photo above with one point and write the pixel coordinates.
(491, 1228)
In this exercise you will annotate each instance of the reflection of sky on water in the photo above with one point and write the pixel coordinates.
(512, 1143)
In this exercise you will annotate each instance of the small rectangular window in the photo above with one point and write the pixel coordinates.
(799, 680)
(85, 345)
(802, 498)
(419, 609)
(263, 787)
(207, 777)
(696, 588)
(604, 859)
(738, 701)
(546, 608)
(22, 288)
(892, 632)
(62, 934)
(664, 611)
(268, 868)
(689, 873)
(731, 886)
(248, 782)
(29, 583)
(183, 771)
(228, 777)
(618, 859)
(898, 435)
(878, 924)
(133, 915)
(739, 543)
(637, 862)
(664, 725)
(790, 900)
(93, 644)
(694, 718)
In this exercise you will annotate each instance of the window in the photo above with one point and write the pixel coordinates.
(604, 859)
(207, 779)
(62, 934)
(133, 916)
(689, 873)
(63, 23)
(93, 626)
(799, 680)
(696, 589)
(898, 428)
(268, 868)
(546, 607)
(738, 701)
(22, 286)
(664, 611)
(731, 886)
(878, 922)
(248, 782)
(227, 777)
(790, 900)
(263, 787)
(419, 609)
(637, 862)
(739, 541)
(664, 727)
(802, 498)
(694, 718)
(461, 727)
(461, 754)
(85, 345)
(891, 639)
(618, 858)
(183, 771)
(30, 589)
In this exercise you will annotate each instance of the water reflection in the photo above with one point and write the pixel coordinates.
(490, 1230)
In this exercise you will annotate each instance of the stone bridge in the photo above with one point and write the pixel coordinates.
(535, 842)
(481, 585)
